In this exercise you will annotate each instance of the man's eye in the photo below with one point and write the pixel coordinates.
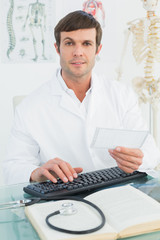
(87, 43)
(68, 43)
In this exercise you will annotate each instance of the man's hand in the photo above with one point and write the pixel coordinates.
(55, 168)
(128, 159)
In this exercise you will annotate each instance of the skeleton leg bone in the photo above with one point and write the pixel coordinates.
(43, 43)
(34, 43)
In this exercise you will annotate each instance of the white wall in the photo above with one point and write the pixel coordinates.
(21, 79)
(17, 79)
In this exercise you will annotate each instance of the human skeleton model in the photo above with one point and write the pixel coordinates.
(146, 47)
(92, 7)
(37, 20)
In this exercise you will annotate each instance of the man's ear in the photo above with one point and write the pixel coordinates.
(99, 49)
(57, 48)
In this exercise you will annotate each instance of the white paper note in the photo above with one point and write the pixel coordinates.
(111, 138)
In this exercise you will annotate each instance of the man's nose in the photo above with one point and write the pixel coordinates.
(78, 50)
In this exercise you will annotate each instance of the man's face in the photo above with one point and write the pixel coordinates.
(77, 53)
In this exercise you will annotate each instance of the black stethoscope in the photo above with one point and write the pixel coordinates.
(67, 209)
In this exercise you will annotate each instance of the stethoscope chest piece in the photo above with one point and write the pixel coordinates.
(68, 209)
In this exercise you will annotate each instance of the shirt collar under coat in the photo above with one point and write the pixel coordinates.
(58, 84)
(96, 95)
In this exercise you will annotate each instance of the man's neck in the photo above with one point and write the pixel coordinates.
(79, 85)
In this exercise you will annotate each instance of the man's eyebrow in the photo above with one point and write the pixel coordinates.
(68, 38)
(71, 39)
(88, 41)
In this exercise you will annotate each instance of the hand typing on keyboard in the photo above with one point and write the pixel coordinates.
(128, 159)
(84, 183)
(53, 169)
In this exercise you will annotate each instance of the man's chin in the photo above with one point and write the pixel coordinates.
(79, 73)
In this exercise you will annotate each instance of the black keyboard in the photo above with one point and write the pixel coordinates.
(84, 183)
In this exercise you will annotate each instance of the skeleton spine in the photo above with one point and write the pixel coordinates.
(12, 39)
(149, 63)
(148, 69)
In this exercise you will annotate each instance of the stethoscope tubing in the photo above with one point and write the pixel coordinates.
(103, 219)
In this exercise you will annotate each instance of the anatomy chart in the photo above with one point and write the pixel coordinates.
(96, 9)
(28, 31)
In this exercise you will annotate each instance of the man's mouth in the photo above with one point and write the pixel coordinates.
(77, 63)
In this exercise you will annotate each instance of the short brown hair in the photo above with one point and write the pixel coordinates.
(77, 20)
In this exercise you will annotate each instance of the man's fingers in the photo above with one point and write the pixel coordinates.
(129, 151)
(41, 174)
(133, 165)
(127, 159)
(128, 154)
(62, 172)
(125, 169)
(78, 169)
(72, 171)
(55, 168)
(65, 172)
(48, 175)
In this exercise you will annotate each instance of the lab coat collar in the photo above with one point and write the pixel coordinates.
(57, 89)
(96, 100)
(67, 103)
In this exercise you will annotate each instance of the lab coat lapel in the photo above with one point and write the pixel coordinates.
(96, 99)
(66, 102)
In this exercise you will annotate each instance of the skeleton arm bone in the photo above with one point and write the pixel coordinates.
(44, 18)
(28, 14)
(121, 65)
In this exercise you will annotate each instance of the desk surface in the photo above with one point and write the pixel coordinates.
(14, 224)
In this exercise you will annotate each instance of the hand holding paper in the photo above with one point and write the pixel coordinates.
(128, 159)
(123, 145)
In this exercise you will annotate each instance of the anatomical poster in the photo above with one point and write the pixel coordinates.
(28, 30)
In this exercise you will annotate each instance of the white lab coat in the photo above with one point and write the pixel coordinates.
(49, 124)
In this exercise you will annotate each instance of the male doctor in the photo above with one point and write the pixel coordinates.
(54, 126)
